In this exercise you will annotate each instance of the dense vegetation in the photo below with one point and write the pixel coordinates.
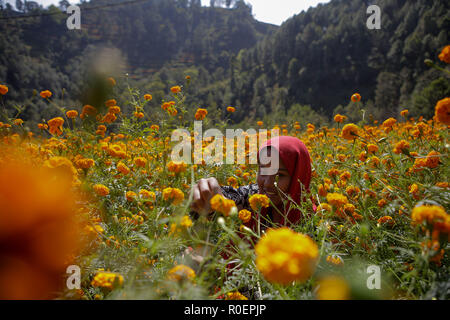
(306, 69)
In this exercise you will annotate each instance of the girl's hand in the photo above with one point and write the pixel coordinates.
(204, 190)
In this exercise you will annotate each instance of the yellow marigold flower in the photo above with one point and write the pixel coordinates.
(350, 131)
(349, 208)
(442, 111)
(148, 97)
(335, 260)
(72, 114)
(322, 190)
(235, 296)
(221, 204)
(108, 280)
(186, 222)
(232, 181)
(388, 124)
(174, 194)
(18, 122)
(281, 263)
(175, 89)
(122, 168)
(46, 94)
(3, 89)
(154, 127)
(414, 188)
(445, 54)
(245, 215)
(258, 201)
(231, 109)
(324, 206)
(404, 113)
(130, 195)
(337, 199)
(401, 147)
(200, 114)
(356, 97)
(176, 166)
(42, 126)
(345, 175)
(145, 194)
(429, 213)
(85, 163)
(374, 161)
(181, 272)
(140, 161)
(333, 288)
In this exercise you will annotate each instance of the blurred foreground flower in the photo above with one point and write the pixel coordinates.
(284, 256)
(39, 230)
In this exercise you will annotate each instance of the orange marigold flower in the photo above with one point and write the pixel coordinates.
(149, 195)
(442, 111)
(404, 113)
(350, 131)
(235, 296)
(175, 89)
(356, 97)
(114, 109)
(401, 147)
(111, 81)
(372, 148)
(337, 199)
(101, 190)
(386, 219)
(231, 109)
(245, 215)
(130, 195)
(108, 280)
(258, 201)
(140, 161)
(18, 122)
(221, 204)
(148, 97)
(122, 168)
(3, 89)
(138, 115)
(339, 118)
(445, 54)
(281, 263)
(88, 110)
(200, 114)
(429, 213)
(333, 288)
(259, 123)
(174, 194)
(176, 166)
(111, 102)
(72, 114)
(335, 260)
(46, 94)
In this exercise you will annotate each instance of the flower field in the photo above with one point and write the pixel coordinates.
(96, 188)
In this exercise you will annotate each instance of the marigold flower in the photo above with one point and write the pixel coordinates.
(131, 195)
(258, 201)
(333, 288)
(404, 113)
(72, 114)
(350, 131)
(108, 280)
(174, 194)
(114, 109)
(356, 97)
(122, 168)
(18, 122)
(231, 109)
(46, 94)
(245, 215)
(181, 272)
(281, 263)
(442, 111)
(138, 115)
(337, 199)
(88, 110)
(55, 125)
(200, 114)
(175, 89)
(335, 260)
(111, 102)
(220, 204)
(176, 166)
(386, 220)
(148, 97)
(111, 81)
(186, 222)
(101, 190)
(3, 89)
(429, 213)
(372, 148)
(339, 118)
(145, 194)
(259, 123)
(445, 54)
(140, 161)
(235, 296)
(401, 147)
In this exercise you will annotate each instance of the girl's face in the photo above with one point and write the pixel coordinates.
(266, 183)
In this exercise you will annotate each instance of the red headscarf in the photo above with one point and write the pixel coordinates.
(295, 156)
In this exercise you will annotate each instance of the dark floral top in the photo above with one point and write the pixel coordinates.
(240, 195)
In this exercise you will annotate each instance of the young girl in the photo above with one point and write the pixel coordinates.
(292, 178)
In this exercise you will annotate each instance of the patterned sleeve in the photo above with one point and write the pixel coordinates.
(240, 195)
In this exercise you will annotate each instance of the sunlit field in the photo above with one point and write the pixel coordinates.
(96, 188)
